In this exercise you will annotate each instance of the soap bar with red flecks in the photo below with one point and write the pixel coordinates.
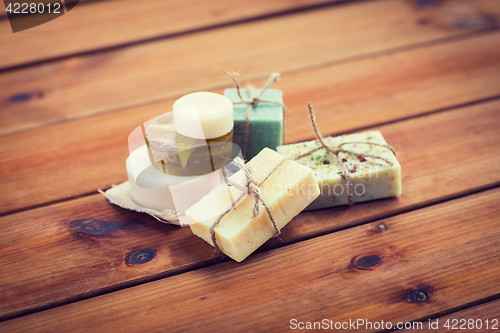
(372, 178)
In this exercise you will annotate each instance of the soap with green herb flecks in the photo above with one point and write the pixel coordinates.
(371, 178)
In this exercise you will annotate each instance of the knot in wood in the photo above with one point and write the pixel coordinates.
(367, 261)
(418, 296)
(22, 97)
(140, 257)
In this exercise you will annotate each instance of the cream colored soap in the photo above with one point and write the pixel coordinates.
(150, 188)
(373, 179)
(203, 115)
(288, 190)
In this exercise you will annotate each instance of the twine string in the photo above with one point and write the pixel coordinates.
(250, 187)
(336, 150)
(252, 101)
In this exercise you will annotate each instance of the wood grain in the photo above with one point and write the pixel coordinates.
(89, 84)
(347, 96)
(482, 316)
(47, 261)
(423, 262)
(3, 12)
(375, 90)
(104, 24)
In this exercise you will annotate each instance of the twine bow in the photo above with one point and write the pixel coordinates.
(252, 101)
(335, 150)
(250, 187)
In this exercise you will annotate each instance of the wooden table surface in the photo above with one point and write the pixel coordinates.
(426, 73)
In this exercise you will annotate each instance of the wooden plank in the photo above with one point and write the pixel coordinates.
(480, 318)
(48, 259)
(423, 262)
(94, 83)
(486, 318)
(103, 24)
(376, 90)
(3, 12)
(347, 96)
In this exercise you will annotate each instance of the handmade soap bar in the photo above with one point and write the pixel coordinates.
(179, 155)
(287, 191)
(372, 178)
(151, 188)
(211, 117)
(266, 121)
(195, 138)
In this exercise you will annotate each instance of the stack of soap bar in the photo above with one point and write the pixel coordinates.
(372, 178)
(288, 190)
(183, 153)
(266, 121)
(179, 155)
(151, 188)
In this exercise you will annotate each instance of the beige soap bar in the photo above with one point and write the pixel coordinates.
(289, 189)
(372, 178)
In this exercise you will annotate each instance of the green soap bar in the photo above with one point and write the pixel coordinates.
(266, 121)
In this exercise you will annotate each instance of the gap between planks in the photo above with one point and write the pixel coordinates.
(98, 83)
(409, 117)
(358, 95)
(414, 255)
(314, 67)
(355, 130)
(428, 178)
(120, 40)
(219, 260)
(487, 310)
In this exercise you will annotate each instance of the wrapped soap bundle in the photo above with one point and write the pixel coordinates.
(258, 116)
(183, 168)
(178, 157)
(256, 203)
(349, 168)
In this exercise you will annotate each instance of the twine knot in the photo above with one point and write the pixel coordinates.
(335, 150)
(250, 187)
(252, 101)
(255, 101)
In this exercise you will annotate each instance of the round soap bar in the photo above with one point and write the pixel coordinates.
(203, 115)
(150, 188)
(179, 155)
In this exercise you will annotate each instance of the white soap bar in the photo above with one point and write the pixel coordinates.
(150, 188)
(372, 179)
(287, 191)
(203, 115)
